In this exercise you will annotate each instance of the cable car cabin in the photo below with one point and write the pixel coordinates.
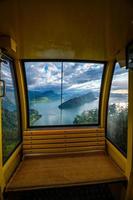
(66, 99)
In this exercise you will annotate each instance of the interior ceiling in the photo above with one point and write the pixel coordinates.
(68, 29)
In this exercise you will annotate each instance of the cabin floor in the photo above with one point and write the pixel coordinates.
(70, 170)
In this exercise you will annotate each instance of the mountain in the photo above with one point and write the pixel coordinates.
(78, 101)
(50, 94)
(119, 96)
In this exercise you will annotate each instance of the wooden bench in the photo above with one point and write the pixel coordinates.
(69, 170)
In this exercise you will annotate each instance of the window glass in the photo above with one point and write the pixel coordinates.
(118, 109)
(81, 91)
(63, 93)
(44, 92)
(11, 135)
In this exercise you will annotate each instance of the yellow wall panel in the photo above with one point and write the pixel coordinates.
(68, 29)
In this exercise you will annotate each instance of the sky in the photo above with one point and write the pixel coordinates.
(6, 74)
(76, 76)
(120, 81)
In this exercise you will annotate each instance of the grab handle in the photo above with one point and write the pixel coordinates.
(2, 88)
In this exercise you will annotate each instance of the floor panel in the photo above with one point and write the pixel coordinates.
(44, 172)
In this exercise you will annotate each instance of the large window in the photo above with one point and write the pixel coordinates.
(63, 93)
(11, 135)
(118, 109)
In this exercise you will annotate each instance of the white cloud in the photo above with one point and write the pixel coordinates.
(43, 74)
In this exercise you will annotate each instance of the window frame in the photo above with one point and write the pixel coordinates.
(107, 106)
(17, 97)
(62, 126)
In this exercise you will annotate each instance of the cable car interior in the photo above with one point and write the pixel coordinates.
(66, 100)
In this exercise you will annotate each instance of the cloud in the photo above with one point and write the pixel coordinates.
(120, 81)
(76, 76)
(41, 74)
(120, 91)
(6, 75)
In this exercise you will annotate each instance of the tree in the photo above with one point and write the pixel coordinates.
(87, 117)
(116, 123)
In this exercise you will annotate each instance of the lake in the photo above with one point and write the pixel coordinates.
(52, 115)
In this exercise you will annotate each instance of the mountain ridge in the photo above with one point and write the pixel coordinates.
(40, 94)
(78, 101)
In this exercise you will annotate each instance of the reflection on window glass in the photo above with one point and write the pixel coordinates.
(10, 112)
(118, 109)
(63, 93)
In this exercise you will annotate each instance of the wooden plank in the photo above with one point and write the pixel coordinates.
(62, 153)
(85, 139)
(43, 132)
(81, 135)
(79, 149)
(58, 150)
(61, 133)
(49, 132)
(83, 144)
(41, 137)
(84, 131)
(46, 141)
(44, 146)
(51, 141)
